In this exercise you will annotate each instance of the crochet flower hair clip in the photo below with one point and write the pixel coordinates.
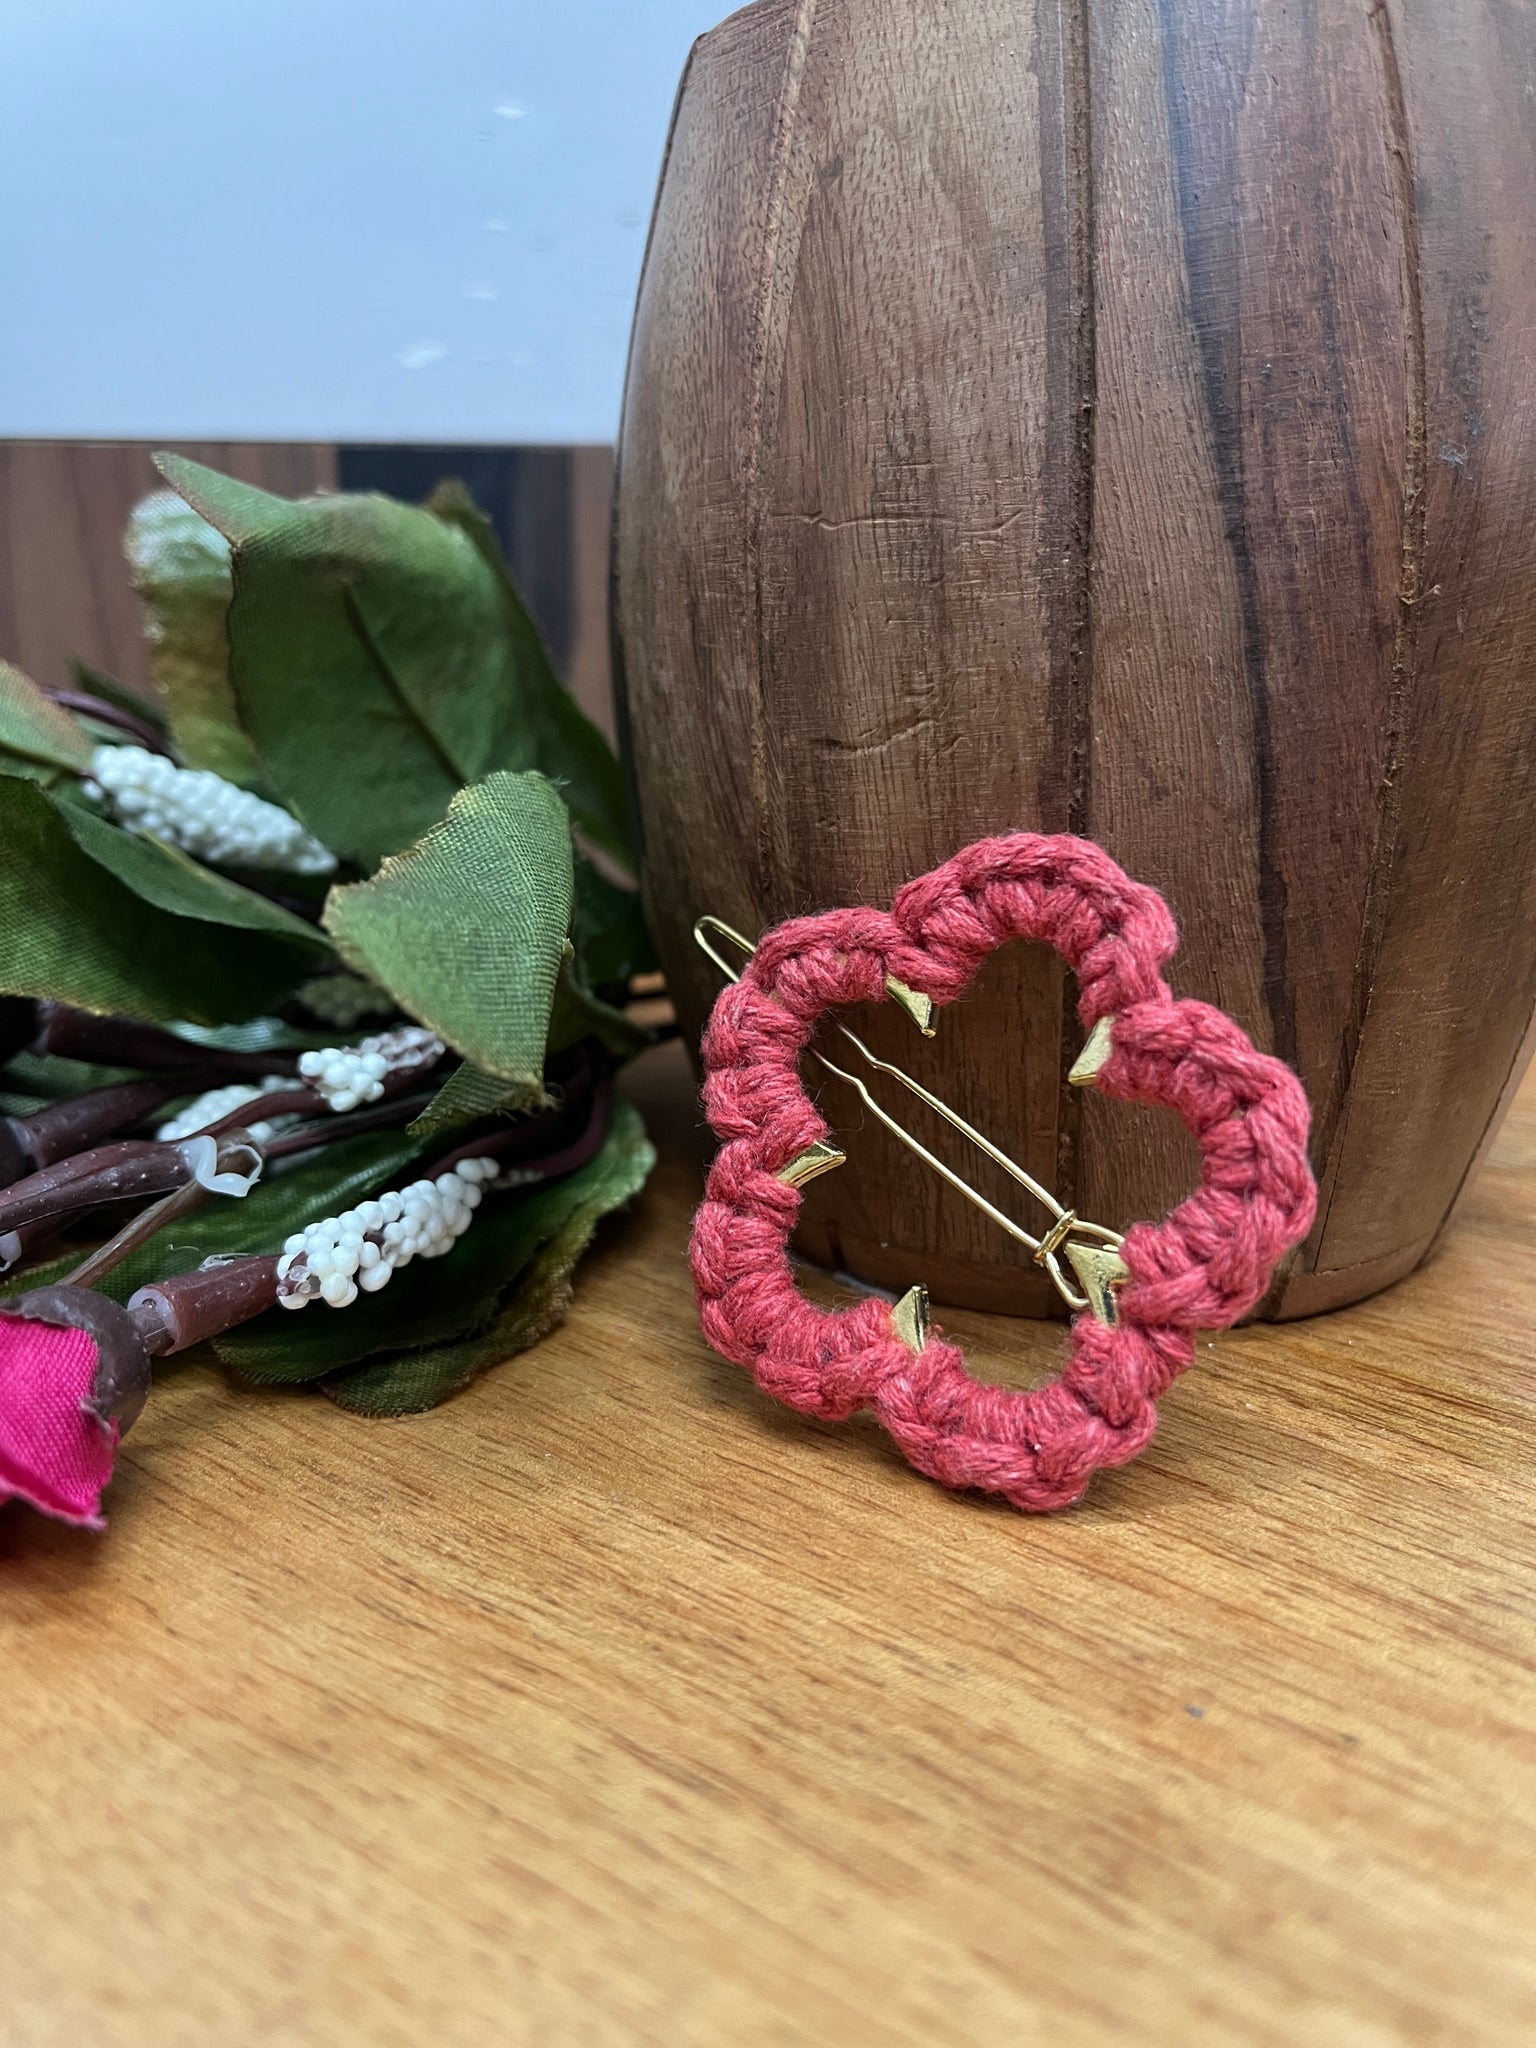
(1138, 1299)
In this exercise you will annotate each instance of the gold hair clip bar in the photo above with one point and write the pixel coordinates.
(1091, 1250)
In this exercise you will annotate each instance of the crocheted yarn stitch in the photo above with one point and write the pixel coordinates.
(1204, 1267)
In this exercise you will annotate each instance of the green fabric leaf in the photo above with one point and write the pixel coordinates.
(172, 880)
(290, 1194)
(468, 1094)
(558, 1224)
(608, 930)
(35, 729)
(381, 659)
(566, 745)
(466, 929)
(95, 682)
(344, 1000)
(576, 1014)
(180, 568)
(31, 1080)
(261, 1034)
(609, 943)
(71, 931)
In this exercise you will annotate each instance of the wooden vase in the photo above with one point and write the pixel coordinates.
(1113, 419)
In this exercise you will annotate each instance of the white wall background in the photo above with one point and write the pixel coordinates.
(328, 219)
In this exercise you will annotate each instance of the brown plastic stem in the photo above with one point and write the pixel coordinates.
(111, 1173)
(136, 1231)
(115, 715)
(293, 1101)
(382, 1116)
(513, 1145)
(124, 1042)
(188, 1308)
(121, 1383)
(64, 1128)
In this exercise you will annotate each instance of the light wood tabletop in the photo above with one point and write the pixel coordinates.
(611, 1704)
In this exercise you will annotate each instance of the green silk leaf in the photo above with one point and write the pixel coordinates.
(466, 929)
(381, 659)
(609, 943)
(417, 1380)
(261, 1034)
(72, 932)
(576, 1014)
(180, 568)
(37, 731)
(425, 1303)
(608, 930)
(468, 1094)
(565, 745)
(172, 880)
(31, 1080)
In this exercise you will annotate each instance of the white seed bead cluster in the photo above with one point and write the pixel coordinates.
(331, 1260)
(204, 815)
(347, 1075)
(206, 1109)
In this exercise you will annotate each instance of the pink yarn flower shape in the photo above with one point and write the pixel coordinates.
(72, 1376)
(1203, 1267)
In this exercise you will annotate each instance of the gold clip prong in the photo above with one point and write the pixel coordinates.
(1089, 1248)
(909, 1319)
(1100, 1271)
(815, 1160)
(918, 1008)
(1091, 1061)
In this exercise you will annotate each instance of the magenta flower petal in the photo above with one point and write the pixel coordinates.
(54, 1453)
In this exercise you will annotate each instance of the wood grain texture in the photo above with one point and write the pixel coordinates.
(610, 1704)
(1111, 418)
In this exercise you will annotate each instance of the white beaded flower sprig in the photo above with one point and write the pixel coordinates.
(218, 1102)
(361, 1248)
(204, 815)
(347, 1075)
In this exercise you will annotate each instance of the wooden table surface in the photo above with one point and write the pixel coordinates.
(609, 1704)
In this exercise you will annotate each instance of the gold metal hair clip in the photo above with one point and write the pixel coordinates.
(1091, 1250)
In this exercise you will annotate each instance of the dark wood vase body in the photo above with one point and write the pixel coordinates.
(1116, 420)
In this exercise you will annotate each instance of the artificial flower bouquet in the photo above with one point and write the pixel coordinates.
(314, 978)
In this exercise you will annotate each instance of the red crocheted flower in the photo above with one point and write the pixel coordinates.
(55, 1454)
(1204, 1267)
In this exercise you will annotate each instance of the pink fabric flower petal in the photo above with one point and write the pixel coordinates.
(53, 1455)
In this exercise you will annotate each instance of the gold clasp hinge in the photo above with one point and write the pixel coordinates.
(1089, 1249)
